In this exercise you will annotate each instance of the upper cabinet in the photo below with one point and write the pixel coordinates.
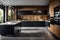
(31, 12)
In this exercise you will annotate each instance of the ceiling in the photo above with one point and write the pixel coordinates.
(25, 2)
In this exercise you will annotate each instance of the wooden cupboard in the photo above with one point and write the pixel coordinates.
(55, 29)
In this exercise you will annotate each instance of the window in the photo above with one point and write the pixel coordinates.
(10, 15)
(1, 15)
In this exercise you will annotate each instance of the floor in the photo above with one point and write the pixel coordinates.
(41, 34)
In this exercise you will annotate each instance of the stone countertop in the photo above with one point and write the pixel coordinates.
(13, 22)
(10, 23)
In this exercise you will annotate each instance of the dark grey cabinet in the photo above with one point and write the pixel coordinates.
(6, 29)
(34, 24)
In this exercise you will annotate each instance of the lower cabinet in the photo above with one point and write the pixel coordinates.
(55, 29)
(6, 29)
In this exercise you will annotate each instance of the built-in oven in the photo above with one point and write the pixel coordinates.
(57, 15)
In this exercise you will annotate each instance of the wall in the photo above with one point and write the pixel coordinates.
(51, 8)
(52, 5)
(55, 29)
(31, 17)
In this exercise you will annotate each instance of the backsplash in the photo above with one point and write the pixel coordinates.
(33, 17)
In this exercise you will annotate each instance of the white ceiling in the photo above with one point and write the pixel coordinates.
(25, 2)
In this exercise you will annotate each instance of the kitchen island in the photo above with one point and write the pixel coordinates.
(8, 27)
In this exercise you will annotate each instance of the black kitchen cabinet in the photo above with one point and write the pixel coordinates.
(6, 29)
(32, 12)
(35, 24)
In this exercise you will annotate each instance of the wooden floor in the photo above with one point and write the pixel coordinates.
(42, 35)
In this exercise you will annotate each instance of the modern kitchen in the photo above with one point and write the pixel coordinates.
(30, 20)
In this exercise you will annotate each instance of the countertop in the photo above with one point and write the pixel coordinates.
(10, 23)
(13, 22)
